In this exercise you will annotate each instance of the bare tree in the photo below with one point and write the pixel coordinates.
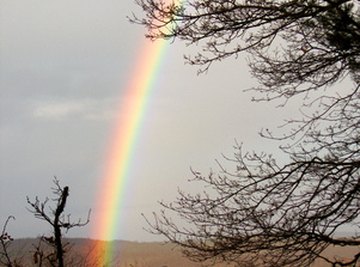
(58, 221)
(264, 212)
(5, 241)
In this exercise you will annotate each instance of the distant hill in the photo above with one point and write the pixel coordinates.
(87, 253)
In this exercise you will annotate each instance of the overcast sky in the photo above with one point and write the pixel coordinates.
(63, 68)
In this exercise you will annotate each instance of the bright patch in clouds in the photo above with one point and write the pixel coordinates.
(87, 109)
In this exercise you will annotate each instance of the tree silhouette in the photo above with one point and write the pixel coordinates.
(58, 221)
(264, 212)
(5, 241)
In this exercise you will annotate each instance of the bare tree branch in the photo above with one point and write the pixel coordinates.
(263, 212)
(5, 240)
(57, 220)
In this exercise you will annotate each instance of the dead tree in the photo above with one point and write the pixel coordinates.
(5, 241)
(58, 221)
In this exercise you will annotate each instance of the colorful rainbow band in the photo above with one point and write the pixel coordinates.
(108, 210)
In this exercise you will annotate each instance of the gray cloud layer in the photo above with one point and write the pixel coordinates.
(63, 68)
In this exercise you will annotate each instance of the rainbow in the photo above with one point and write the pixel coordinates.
(124, 137)
(107, 216)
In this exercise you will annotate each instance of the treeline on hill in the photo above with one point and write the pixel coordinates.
(86, 253)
